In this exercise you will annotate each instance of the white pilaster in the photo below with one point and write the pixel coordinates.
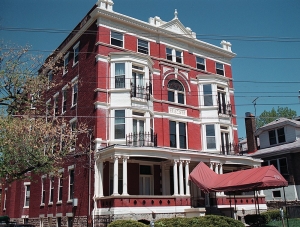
(175, 177)
(100, 178)
(125, 158)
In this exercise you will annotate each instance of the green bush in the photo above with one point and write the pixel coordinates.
(263, 218)
(274, 215)
(126, 223)
(205, 221)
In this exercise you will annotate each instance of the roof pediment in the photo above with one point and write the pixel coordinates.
(177, 27)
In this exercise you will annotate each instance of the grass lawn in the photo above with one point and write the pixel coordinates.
(295, 222)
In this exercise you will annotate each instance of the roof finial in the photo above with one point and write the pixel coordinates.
(175, 14)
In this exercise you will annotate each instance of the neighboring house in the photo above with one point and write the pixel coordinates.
(280, 146)
(158, 101)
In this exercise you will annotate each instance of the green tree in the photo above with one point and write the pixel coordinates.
(31, 140)
(269, 116)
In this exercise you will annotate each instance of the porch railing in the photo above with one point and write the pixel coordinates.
(225, 109)
(141, 139)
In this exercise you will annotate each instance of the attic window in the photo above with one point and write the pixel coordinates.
(277, 136)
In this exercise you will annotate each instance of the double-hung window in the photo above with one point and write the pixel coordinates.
(174, 55)
(200, 63)
(143, 46)
(51, 190)
(116, 38)
(74, 91)
(276, 136)
(175, 92)
(43, 195)
(177, 134)
(64, 100)
(210, 137)
(76, 54)
(207, 95)
(27, 194)
(66, 62)
(220, 68)
(225, 145)
(55, 104)
(119, 124)
(71, 183)
(222, 107)
(119, 75)
(60, 188)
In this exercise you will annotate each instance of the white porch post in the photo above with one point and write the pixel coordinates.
(175, 177)
(221, 172)
(187, 173)
(216, 168)
(181, 191)
(125, 175)
(116, 175)
(211, 166)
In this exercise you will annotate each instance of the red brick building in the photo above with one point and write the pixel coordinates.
(158, 101)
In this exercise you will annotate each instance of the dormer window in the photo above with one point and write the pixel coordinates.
(277, 136)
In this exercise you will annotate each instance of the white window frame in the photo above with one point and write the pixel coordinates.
(177, 134)
(277, 136)
(177, 93)
(51, 190)
(123, 123)
(142, 48)
(117, 39)
(43, 191)
(222, 104)
(174, 55)
(207, 95)
(219, 70)
(27, 194)
(70, 198)
(64, 98)
(66, 62)
(200, 63)
(50, 77)
(73, 124)
(119, 76)
(55, 104)
(210, 136)
(60, 186)
(74, 85)
(142, 178)
(5, 198)
(76, 54)
(138, 87)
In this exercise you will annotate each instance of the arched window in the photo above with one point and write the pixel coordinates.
(175, 91)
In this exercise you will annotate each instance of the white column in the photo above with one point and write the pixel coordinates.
(187, 173)
(125, 175)
(175, 177)
(116, 175)
(212, 166)
(100, 178)
(216, 168)
(181, 191)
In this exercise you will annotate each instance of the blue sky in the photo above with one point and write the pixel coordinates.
(265, 35)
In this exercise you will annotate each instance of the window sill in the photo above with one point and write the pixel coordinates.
(42, 204)
(64, 74)
(63, 113)
(58, 202)
(74, 64)
(50, 203)
(26, 207)
(74, 105)
(70, 201)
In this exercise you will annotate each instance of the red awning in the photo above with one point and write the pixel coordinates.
(244, 180)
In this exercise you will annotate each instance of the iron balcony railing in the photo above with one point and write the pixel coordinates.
(142, 92)
(141, 139)
(230, 149)
(225, 109)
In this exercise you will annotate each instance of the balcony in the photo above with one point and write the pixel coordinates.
(225, 109)
(140, 92)
(229, 149)
(141, 139)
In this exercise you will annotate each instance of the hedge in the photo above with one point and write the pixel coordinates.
(263, 218)
(205, 221)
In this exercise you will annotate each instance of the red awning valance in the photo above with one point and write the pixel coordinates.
(244, 180)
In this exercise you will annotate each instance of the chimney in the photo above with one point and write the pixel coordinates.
(250, 130)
